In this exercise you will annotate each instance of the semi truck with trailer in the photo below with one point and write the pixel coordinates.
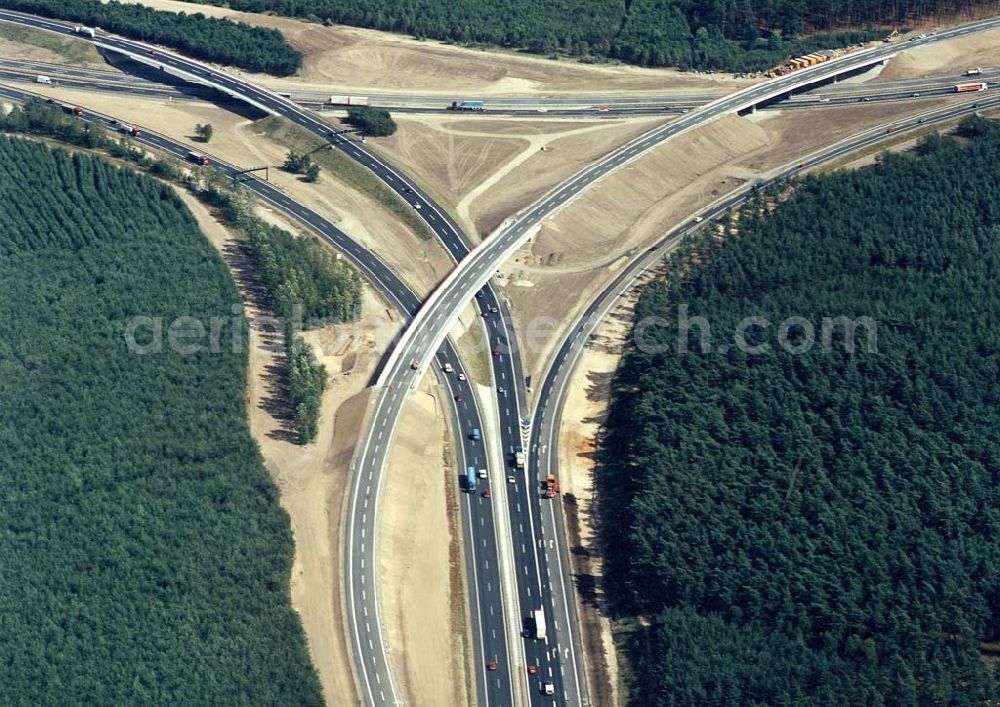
(197, 158)
(972, 86)
(348, 101)
(467, 105)
(87, 31)
(470, 479)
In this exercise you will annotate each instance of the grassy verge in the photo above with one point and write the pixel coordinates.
(300, 140)
(474, 351)
(73, 51)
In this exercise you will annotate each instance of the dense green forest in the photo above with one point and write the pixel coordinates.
(209, 38)
(145, 557)
(820, 527)
(704, 34)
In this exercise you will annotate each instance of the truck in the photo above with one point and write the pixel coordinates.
(71, 109)
(551, 485)
(474, 435)
(130, 130)
(43, 79)
(519, 458)
(974, 72)
(197, 158)
(88, 31)
(470, 479)
(539, 617)
(548, 688)
(974, 86)
(467, 105)
(348, 101)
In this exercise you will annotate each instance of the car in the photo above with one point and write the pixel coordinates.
(408, 190)
(914, 95)
(486, 494)
(501, 390)
(922, 120)
(532, 669)
(496, 350)
(480, 294)
(494, 310)
(802, 165)
(685, 110)
(865, 99)
(603, 109)
(511, 479)
(458, 397)
(151, 52)
(416, 205)
(461, 376)
(891, 129)
(415, 365)
(699, 219)
(492, 665)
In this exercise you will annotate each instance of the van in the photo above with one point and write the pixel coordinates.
(43, 79)
(475, 436)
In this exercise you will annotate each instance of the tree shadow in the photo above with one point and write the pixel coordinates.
(275, 401)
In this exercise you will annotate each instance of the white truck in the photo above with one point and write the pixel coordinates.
(348, 101)
(43, 79)
(539, 617)
(88, 31)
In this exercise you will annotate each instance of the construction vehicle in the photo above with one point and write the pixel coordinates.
(88, 31)
(348, 101)
(974, 72)
(539, 617)
(551, 486)
(892, 36)
(974, 86)
(470, 479)
(198, 158)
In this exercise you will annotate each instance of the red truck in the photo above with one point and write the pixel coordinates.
(974, 86)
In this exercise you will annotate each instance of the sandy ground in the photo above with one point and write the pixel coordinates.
(345, 59)
(312, 480)
(945, 58)
(584, 414)
(417, 560)
(579, 250)
(422, 264)
(489, 168)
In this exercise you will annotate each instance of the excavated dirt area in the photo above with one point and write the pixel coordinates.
(420, 560)
(944, 58)
(345, 59)
(489, 167)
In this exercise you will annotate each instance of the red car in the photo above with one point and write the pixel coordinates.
(532, 669)
(486, 494)
(492, 665)
(496, 350)
(458, 397)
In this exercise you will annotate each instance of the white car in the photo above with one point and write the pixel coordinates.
(416, 206)
(511, 479)
(461, 376)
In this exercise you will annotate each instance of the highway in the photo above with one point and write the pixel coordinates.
(151, 85)
(429, 330)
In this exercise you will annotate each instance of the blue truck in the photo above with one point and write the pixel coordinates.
(470, 479)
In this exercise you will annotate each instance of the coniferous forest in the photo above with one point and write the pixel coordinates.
(145, 557)
(819, 527)
(209, 38)
(702, 34)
